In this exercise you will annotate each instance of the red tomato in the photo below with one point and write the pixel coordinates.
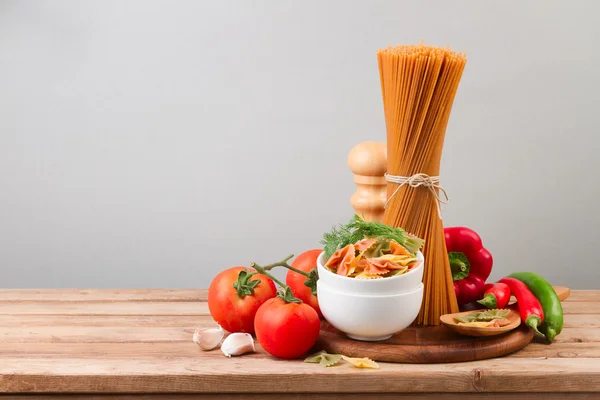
(304, 262)
(286, 330)
(228, 309)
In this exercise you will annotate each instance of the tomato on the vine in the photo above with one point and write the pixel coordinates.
(286, 327)
(235, 295)
(305, 288)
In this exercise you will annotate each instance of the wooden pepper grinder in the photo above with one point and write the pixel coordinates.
(368, 162)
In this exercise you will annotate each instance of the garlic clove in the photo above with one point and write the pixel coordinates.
(237, 344)
(225, 331)
(208, 338)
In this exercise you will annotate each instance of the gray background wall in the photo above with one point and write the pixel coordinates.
(153, 143)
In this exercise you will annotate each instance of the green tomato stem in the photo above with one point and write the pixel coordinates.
(288, 297)
(306, 274)
(244, 286)
(283, 263)
(261, 270)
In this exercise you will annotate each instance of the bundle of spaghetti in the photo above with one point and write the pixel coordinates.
(419, 84)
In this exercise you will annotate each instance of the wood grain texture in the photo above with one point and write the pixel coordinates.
(139, 343)
(154, 350)
(584, 295)
(581, 307)
(103, 308)
(265, 374)
(559, 350)
(141, 321)
(103, 295)
(578, 335)
(313, 396)
(426, 345)
(582, 321)
(95, 334)
(571, 320)
(170, 308)
(563, 292)
(368, 162)
(477, 331)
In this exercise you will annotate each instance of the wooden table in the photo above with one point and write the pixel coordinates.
(139, 342)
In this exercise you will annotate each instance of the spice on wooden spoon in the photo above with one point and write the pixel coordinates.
(484, 319)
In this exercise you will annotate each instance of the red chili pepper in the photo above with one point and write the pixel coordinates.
(470, 262)
(529, 306)
(496, 295)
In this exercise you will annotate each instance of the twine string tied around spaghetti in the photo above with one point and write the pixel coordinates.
(417, 180)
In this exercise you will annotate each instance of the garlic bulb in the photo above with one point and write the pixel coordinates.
(208, 338)
(237, 344)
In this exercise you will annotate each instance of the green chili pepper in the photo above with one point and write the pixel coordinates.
(553, 312)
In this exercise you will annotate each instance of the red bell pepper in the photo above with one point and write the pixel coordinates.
(470, 262)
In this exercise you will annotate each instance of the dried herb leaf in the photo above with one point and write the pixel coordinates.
(466, 318)
(495, 323)
(323, 358)
(492, 314)
(482, 316)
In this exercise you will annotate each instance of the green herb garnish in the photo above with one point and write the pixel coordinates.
(466, 318)
(482, 316)
(358, 229)
(492, 314)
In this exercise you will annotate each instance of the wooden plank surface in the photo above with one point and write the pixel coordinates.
(185, 349)
(103, 308)
(139, 341)
(264, 374)
(107, 320)
(167, 308)
(103, 295)
(571, 320)
(315, 396)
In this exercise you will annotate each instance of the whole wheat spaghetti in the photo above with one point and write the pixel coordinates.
(418, 84)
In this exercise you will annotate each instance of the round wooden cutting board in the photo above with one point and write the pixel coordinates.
(428, 345)
(425, 345)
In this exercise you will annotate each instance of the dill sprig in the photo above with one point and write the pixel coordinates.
(358, 229)
(339, 237)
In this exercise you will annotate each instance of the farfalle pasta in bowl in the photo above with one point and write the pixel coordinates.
(372, 259)
(370, 277)
(373, 271)
(378, 260)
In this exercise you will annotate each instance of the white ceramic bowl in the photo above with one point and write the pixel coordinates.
(368, 317)
(407, 282)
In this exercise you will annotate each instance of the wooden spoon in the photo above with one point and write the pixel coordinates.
(450, 322)
(562, 292)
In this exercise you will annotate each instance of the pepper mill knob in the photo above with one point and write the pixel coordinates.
(368, 162)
